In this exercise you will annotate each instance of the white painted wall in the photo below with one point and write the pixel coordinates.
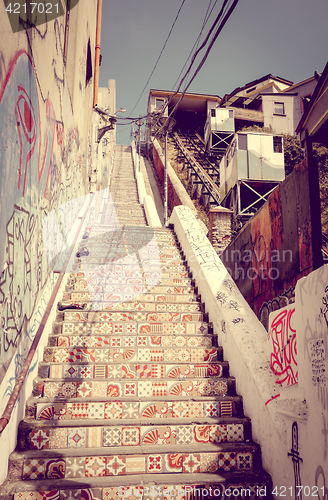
(280, 124)
(244, 339)
(312, 348)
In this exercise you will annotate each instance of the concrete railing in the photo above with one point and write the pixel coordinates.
(244, 341)
(144, 199)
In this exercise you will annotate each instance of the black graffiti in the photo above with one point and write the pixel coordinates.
(324, 309)
(296, 459)
(20, 281)
(221, 297)
(238, 320)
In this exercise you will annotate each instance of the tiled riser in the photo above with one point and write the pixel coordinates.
(133, 328)
(117, 410)
(94, 437)
(57, 371)
(96, 303)
(99, 279)
(184, 355)
(141, 389)
(83, 286)
(110, 297)
(120, 465)
(151, 317)
(152, 492)
(139, 341)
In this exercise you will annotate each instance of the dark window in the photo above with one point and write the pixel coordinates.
(277, 144)
(279, 108)
(230, 113)
(213, 114)
(89, 64)
(242, 142)
(159, 103)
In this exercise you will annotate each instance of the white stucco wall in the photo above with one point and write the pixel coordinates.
(244, 340)
(280, 124)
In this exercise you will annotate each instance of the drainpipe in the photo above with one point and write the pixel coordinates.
(98, 33)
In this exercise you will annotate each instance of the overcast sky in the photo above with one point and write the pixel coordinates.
(287, 38)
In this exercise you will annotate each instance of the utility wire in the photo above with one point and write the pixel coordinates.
(216, 34)
(206, 18)
(167, 38)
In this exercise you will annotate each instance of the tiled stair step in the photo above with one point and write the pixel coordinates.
(180, 341)
(101, 256)
(251, 485)
(134, 353)
(131, 328)
(113, 389)
(96, 304)
(132, 370)
(223, 457)
(160, 289)
(151, 317)
(147, 265)
(103, 231)
(43, 435)
(153, 275)
(101, 279)
(131, 409)
(143, 297)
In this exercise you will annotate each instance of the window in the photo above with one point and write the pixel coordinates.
(159, 103)
(230, 113)
(213, 113)
(88, 75)
(279, 108)
(277, 144)
(242, 142)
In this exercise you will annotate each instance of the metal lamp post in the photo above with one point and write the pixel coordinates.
(167, 124)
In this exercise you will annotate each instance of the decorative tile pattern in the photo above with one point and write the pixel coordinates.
(75, 467)
(116, 466)
(95, 466)
(191, 463)
(150, 346)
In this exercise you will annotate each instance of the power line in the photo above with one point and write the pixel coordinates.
(151, 74)
(206, 18)
(216, 34)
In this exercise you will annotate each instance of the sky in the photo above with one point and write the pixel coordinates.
(287, 38)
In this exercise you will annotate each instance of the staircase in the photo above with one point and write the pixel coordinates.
(133, 398)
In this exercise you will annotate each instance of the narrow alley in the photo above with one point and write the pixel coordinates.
(133, 398)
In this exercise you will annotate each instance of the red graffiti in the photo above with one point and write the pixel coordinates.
(49, 145)
(27, 131)
(60, 137)
(284, 350)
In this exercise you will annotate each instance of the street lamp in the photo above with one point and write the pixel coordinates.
(105, 115)
(167, 126)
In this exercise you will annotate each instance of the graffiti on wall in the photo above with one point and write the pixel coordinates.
(282, 337)
(272, 251)
(40, 157)
(296, 459)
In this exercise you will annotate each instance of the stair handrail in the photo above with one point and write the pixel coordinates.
(8, 411)
(200, 172)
